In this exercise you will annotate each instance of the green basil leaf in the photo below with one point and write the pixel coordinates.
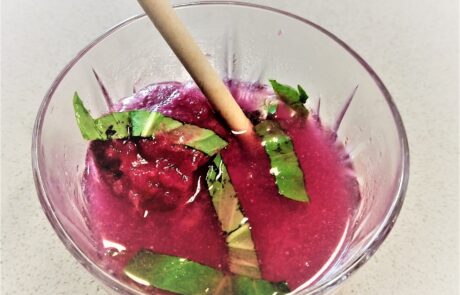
(295, 98)
(142, 123)
(182, 276)
(242, 254)
(284, 164)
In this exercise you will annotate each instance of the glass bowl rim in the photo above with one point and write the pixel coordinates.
(110, 281)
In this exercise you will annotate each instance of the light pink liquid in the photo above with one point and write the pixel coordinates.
(140, 191)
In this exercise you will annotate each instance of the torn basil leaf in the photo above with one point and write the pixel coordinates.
(284, 163)
(243, 285)
(295, 98)
(84, 120)
(113, 126)
(201, 139)
(242, 254)
(173, 274)
(142, 123)
(147, 124)
(182, 276)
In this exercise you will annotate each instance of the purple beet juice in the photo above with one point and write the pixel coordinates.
(146, 193)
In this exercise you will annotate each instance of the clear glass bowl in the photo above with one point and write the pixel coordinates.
(247, 42)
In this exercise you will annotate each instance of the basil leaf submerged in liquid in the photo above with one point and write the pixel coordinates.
(173, 274)
(242, 253)
(284, 163)
(244, 285)
(182, 276)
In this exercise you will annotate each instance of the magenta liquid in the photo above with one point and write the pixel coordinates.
(139, 191)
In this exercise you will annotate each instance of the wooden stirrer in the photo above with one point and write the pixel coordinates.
(181, 42)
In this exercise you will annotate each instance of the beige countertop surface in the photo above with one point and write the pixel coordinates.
(412, 45)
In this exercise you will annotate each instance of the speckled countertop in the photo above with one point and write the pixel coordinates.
(413, 46)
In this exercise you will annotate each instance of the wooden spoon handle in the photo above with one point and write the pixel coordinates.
(181, 42)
